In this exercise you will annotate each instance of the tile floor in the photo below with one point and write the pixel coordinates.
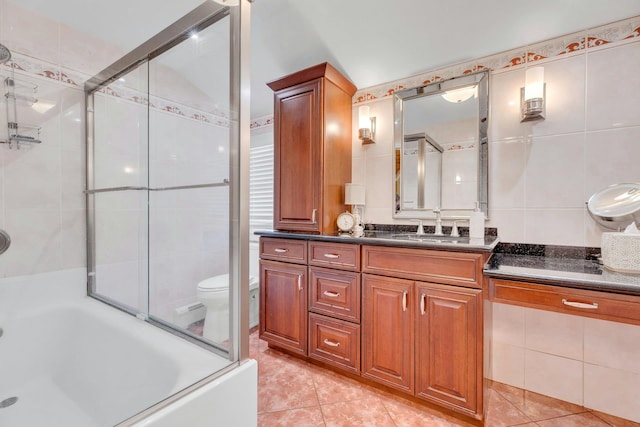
(292, 392)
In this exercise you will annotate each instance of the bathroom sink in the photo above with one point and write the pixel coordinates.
(430, 238)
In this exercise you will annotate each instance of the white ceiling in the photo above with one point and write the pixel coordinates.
(370, 41)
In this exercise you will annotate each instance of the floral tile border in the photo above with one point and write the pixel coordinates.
(32, 67)
(620, 32)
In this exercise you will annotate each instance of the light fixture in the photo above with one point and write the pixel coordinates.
(354, 196)
(228, 2)
(459, 95)
(532, 95)
(366, 125)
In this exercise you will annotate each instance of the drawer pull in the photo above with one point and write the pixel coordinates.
(331, 343)
(332, 256)
(313, 216)
(590, 306)
(299, 282)
(404, 301)
(331, 294)
(281, 251)
(423, 298)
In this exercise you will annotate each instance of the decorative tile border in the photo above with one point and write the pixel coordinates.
(262, 121)
(28, 66)
(625, 31)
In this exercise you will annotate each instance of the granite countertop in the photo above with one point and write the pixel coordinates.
(403, 238)
(561, 270)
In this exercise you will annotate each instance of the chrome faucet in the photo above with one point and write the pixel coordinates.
(438, 231)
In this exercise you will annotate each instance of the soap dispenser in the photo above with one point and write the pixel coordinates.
(476, 223)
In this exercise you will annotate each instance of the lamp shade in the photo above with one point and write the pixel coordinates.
(354, 194)
(534, 83)
(363, 117)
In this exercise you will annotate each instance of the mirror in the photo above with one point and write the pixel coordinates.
(440, 148)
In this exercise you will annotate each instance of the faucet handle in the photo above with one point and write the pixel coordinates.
(420, 227)
(454, 229)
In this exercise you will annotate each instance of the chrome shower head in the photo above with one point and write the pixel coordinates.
(5, 54)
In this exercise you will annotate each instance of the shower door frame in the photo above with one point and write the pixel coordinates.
(205, 15)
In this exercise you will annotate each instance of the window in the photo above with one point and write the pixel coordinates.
(260, 188)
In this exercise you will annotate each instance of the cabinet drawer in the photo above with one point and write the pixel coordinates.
(288, 250)
(336, 255)
(601, 305)
(452, 268)
(335, 293)
(335, 342)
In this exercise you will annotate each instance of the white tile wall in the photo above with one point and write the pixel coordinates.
(541, 173)
(589, 362)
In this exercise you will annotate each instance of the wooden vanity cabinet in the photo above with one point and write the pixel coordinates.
(312, 148)
(421, 337)
(407, 318)
(284, 293)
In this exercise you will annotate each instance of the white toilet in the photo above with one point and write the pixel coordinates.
(213, 293)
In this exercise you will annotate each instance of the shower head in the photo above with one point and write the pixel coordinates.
(5, 54)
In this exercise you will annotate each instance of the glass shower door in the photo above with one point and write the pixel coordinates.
(189, 198)
(118, 227)
(164, 185)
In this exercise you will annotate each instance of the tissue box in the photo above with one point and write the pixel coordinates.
(621, 252)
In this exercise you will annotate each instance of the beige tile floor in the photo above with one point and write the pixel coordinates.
(292, 392)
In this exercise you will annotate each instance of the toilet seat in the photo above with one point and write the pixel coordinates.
(220, 283)
(215, 284)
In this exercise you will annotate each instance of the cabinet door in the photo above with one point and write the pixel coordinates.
(283, 305)
(387, 331)
(448, 352)
(298, 157)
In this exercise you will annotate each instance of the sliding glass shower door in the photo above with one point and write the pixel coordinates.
(163, 151)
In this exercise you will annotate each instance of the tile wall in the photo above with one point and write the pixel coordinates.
(585, 361)
(42, 204)
(540, 173)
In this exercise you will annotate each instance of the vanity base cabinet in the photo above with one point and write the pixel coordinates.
(283, 305)
(448, 341)
(387, 331)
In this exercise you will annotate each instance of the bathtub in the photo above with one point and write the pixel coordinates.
(71, 360)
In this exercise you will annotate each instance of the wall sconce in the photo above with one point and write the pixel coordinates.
(354, 196)
(366, 125)
(532, 95)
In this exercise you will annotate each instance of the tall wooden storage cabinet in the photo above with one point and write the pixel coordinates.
(313, 134)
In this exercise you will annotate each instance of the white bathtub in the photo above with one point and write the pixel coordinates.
(74, 361)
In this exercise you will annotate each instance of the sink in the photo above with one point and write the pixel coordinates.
(430, 238)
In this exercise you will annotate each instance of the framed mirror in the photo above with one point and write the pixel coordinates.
(441, 148)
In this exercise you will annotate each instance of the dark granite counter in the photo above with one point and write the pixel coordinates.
(561, 270)
(396, 238)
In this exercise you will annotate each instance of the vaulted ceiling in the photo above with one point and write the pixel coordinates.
(370, 41)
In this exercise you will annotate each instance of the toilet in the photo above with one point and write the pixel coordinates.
(213, 293)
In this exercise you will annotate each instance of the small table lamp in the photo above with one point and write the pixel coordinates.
(354, 196)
